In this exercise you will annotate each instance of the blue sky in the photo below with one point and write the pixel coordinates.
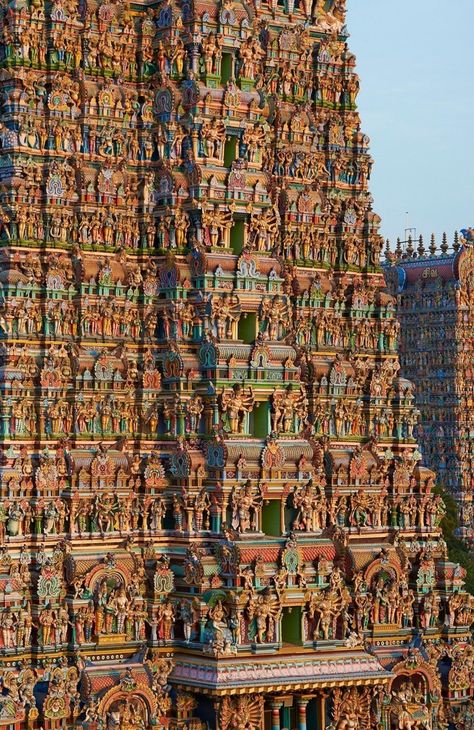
(416, 63)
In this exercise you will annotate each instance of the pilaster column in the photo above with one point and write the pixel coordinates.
(276, 706)
(302, 703)
(282, 517)
(321, 711)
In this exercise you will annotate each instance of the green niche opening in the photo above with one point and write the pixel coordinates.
(247, 328)
(168, 520)
(227, 67)
(260, 423)
(237, 233)
(291, 625)
(230, 150)
(290, 516)
(271, 518)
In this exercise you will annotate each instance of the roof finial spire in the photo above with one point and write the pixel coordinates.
(421, 248)
(398, 249)
(456, 244)
(444, 244)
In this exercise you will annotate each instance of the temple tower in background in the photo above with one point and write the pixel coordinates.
(434, 288)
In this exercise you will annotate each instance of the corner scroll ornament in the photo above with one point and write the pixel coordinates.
(208, 353)
(272, 455)
(292, 566)
(154, 473)
(180, 461)
(467, 236)
(50, 578)
(163, 579)
(216, 453)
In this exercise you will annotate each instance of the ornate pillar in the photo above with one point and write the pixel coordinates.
(302, 703)
(216, 520)
(276, 706)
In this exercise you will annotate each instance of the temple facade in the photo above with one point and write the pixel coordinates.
(435, 291)
(213, 513)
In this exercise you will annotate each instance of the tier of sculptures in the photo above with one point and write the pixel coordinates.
(78, 604)
(76, 611)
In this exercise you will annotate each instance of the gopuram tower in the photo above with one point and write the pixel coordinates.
(435, 293)
(212, 510)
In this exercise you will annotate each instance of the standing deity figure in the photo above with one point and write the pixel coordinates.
(264, 229)
(165, 617)
(216, 225)
(194, 409)
(289, 410)
(187, 617)
(265, 609)
(181, 226)
(254, 139)
(212, 54)
(157, 513)
(236, 403)
(213, 136)
(311, 506)
(246, 503)
(275, 318)
(178, 507)
(201, 511)
(46, 621)
(7, 626)
(226, 310)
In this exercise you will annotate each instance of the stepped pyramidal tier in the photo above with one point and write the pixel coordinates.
(435, 289)
(213, 513)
